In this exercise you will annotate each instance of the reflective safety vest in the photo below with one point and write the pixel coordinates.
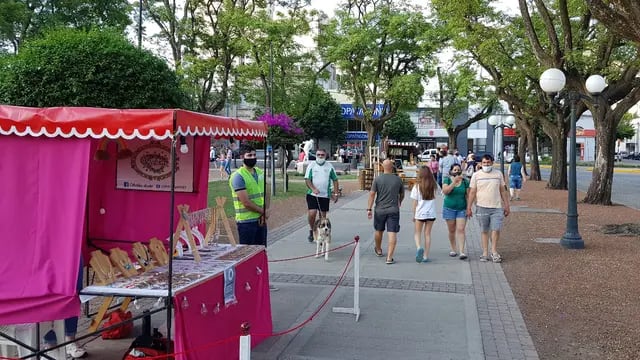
(255, 191)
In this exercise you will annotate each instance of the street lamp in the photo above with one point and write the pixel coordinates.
(500, 122)
(552, 81)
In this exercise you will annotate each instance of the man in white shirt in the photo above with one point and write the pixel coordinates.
(322, 183)
(488, 190)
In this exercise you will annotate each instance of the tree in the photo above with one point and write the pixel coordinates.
(625, 129)
(23, 19)
(495, 42)
(621, 16)
(458, 88)
(385, 49)
(400, 128)
(107, 71)
(322, 118)
(563, 35)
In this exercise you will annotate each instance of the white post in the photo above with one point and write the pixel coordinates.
(245, 342)
(355, 310)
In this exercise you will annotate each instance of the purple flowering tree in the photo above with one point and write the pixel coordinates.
(283, 131)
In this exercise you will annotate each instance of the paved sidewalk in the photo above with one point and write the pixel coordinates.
(445, 309)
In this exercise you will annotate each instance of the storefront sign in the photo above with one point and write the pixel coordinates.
(149, 167)
(356, 135)
(349, 112)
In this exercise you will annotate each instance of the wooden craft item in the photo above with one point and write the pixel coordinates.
(143, 255)
(102, 267)
(158, 252)
(122, 261)
(220, 216)
(183, 225)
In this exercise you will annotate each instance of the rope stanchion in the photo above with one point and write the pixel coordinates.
(313, 255)
(355, 310)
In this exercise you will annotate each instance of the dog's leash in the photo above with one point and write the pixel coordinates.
(319, 207)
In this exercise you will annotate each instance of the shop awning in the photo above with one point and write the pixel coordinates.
(158, 124)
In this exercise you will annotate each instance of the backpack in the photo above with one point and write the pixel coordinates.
(122, 331)
(471, 168)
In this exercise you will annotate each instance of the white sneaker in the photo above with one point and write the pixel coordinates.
(75, 352)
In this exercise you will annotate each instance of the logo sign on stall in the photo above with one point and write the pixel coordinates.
(229, 285)
(349, 112)
(356, 135)
(149, 168)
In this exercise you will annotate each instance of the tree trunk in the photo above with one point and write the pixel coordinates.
(453, 139)
(532, 145)
(521, 150)
(602, 178)
(558, 177)
(372, 131)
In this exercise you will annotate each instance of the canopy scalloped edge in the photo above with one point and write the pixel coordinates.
(74, 133)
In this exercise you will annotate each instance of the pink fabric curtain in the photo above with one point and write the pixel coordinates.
(43, 188)
(133, 215)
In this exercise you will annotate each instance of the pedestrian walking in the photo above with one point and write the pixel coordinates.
(456, 191)
(322, 184)
(433, 166)
(470, 167)
(487, 189)
(517, 177)
(445, 164)
(423, 194)
(212, 156)
(388, 192)
(229, 157)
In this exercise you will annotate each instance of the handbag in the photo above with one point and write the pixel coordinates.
(119, 332)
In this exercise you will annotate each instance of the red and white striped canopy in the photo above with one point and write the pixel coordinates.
(158, 124)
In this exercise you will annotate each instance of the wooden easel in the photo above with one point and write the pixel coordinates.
(183, 225)
(104, 270)
(220, 216)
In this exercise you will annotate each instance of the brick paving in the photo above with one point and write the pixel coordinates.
(503, 330)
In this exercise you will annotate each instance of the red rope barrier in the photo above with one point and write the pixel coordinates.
(313, 255)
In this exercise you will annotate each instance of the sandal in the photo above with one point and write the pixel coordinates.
(496, 258)
(390, 261)
(378, 252)
(484, 258)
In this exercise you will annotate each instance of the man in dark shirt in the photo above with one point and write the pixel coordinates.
(388, 192)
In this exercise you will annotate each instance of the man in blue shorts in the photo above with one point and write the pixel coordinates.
(322, 183)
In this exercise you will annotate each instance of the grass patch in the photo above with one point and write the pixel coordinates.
(221, 188)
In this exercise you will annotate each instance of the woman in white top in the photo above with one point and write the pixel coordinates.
(424, 211)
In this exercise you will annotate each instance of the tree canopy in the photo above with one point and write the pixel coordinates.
(98, 69)
(400, 128)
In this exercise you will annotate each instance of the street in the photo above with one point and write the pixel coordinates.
(626, 185)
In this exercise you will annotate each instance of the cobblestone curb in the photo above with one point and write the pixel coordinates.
(374, 283)
(504, 332)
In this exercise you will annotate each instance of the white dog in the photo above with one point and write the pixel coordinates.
(322, 237)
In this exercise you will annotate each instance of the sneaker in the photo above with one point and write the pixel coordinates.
(75, 352)
(419, 254)
(310, 238)
(463, 256)
(484, 258)
(453, 254)
(496, 258)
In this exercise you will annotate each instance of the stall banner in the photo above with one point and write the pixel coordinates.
(229, 285)
(149, 167)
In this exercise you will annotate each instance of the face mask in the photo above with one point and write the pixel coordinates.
(250, 162)
(320, 161)
(487, 168)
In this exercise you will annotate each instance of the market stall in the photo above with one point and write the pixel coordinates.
(79, 179)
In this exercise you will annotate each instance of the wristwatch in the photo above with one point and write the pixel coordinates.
(368, 210)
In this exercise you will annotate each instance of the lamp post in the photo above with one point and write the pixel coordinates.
(500, 122)
(552, 81)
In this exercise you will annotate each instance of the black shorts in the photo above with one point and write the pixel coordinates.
(317, 203)
(390, 222)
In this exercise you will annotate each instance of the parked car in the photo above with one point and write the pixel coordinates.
(426, 155)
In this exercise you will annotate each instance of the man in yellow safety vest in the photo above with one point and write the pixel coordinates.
(250, 199)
